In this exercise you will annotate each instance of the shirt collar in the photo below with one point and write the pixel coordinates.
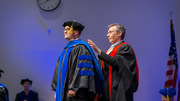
(117, 43)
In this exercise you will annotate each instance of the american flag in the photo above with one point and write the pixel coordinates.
(172, 77)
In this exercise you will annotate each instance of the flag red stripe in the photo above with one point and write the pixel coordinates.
(175, 78)
(168, 83)
(170, 72)
(170, 62)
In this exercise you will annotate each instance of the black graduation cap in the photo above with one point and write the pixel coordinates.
(25, 80)
(170, 91)
(0, 72)
(74, 24)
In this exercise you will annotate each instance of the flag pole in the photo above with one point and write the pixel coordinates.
(167, 95)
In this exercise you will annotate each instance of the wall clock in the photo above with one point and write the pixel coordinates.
(48, 5)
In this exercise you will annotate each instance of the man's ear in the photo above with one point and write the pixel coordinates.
(120, 33)
(76, 32)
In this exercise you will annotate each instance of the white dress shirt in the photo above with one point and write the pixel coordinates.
(112, 46)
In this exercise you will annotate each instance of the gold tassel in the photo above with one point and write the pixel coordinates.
(71, 28)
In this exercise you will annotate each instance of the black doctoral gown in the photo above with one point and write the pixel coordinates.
(32, 96)
(82, 82)
(4, 95)
(124, 76)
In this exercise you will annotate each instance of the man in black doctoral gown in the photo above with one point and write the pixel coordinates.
(119, 66)
(77, 75)
(26, 94)
(4, 95)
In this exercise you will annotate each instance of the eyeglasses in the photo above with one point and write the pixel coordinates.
(67, 29)
(109, 32)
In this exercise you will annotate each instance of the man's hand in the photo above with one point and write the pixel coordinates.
(55, 96)
(93, 46)
(71, 93)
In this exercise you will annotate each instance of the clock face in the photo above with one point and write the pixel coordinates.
(48, 5)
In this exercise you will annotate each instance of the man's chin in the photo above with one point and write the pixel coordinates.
(110, 42)
(65, 37)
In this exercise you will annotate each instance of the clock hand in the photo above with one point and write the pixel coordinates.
(45, 1)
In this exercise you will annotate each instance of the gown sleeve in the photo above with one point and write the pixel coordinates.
(17, 97)
(81, 69)
(36, 96)
(55, 76)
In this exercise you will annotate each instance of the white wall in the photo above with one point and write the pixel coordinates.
(29, 51)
